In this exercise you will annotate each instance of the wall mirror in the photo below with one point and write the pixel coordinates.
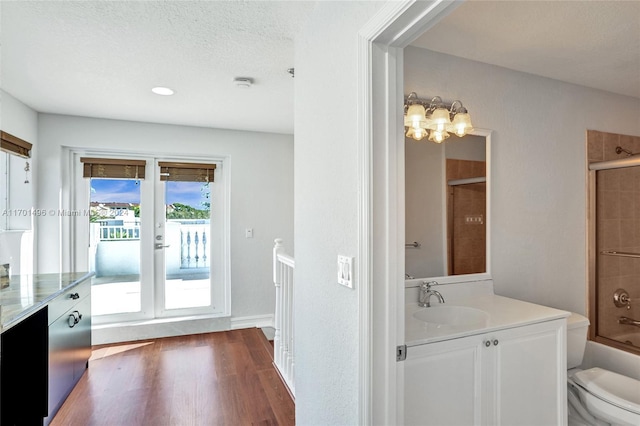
(447, 199)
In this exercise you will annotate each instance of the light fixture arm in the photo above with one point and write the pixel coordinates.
(459, 108)
(411, 98)
(435, 102)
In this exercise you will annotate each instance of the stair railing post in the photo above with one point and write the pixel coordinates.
(277, 280)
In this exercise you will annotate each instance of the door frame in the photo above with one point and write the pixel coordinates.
(381, 203)
(75, 228)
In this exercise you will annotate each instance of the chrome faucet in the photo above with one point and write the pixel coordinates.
(424, 299)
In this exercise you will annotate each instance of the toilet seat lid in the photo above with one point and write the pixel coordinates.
(611, 387)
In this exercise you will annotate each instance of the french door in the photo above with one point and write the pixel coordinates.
(156, 237)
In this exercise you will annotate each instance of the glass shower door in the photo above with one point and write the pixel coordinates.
(618, 255)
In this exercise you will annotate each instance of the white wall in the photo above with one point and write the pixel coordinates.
(18, 198)
(539, 167)
(326, 211)
(261, 190)
(21, 121)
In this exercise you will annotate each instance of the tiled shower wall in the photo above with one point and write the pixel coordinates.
(617, 229)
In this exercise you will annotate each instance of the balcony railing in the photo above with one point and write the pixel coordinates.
(193, 245)
(116, 247)
(119, 232)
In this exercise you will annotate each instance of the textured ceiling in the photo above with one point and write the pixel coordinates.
(591, 43)
(101, 58)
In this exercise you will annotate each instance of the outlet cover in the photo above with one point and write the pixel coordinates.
(345, 271)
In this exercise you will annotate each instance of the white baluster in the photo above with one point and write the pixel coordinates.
(283, 269)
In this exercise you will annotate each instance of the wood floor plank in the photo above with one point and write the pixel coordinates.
(278, 395)
(224, 378)
(256, 343)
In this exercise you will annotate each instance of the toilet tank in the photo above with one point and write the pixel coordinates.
(577, 327)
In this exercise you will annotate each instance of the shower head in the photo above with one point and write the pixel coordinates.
(620, 150)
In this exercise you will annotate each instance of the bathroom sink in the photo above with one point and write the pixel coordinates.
(452, 315)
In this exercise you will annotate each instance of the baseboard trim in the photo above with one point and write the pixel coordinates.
(258, 321)
(168, 327)
(275, 367)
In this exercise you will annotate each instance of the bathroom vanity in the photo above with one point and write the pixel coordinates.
(484, 359)
(45, 343)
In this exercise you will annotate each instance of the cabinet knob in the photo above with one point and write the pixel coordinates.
(495, 342)
(74, 296)
(487, 343)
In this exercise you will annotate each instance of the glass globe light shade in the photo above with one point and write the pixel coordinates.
(461, 124)
(438, 136)
(439, 120)
(416, 133)
(415, 116)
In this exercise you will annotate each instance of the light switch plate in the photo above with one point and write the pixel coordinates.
(345, 271)
(248, 233)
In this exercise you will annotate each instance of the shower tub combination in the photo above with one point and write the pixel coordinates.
(614, 240)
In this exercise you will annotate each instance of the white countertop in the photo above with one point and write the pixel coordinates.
(503, 313)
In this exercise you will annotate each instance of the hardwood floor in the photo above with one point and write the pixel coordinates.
(224, 378)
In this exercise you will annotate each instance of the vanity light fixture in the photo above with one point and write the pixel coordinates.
(435, 119)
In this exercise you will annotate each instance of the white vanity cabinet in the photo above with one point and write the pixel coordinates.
(513, 376)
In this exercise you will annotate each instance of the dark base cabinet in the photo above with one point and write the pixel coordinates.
(69, 344)
(24, 371)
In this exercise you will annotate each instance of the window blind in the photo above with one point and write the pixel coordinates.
(186, 172)
(15, 145)
(112, 168)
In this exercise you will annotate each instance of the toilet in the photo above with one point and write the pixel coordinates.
(597, 397)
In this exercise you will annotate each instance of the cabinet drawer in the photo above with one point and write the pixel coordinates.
(68, 300)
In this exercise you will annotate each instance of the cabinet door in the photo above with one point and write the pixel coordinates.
(61, 363)
(82, 339)
(23, 371)
(443, 383)
(530, 375)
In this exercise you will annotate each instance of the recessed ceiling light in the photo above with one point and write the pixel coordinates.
(164, 91)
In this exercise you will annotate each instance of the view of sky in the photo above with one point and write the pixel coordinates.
(115, 191)
(128, 191)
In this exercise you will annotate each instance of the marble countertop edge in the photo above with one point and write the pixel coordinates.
(12, 313)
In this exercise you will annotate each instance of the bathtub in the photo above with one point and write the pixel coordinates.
(612, 359)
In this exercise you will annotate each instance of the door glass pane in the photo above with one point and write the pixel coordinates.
(115, 246)
(187, 240)
(618, 255)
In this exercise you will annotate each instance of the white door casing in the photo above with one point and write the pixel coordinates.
(381, 219)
